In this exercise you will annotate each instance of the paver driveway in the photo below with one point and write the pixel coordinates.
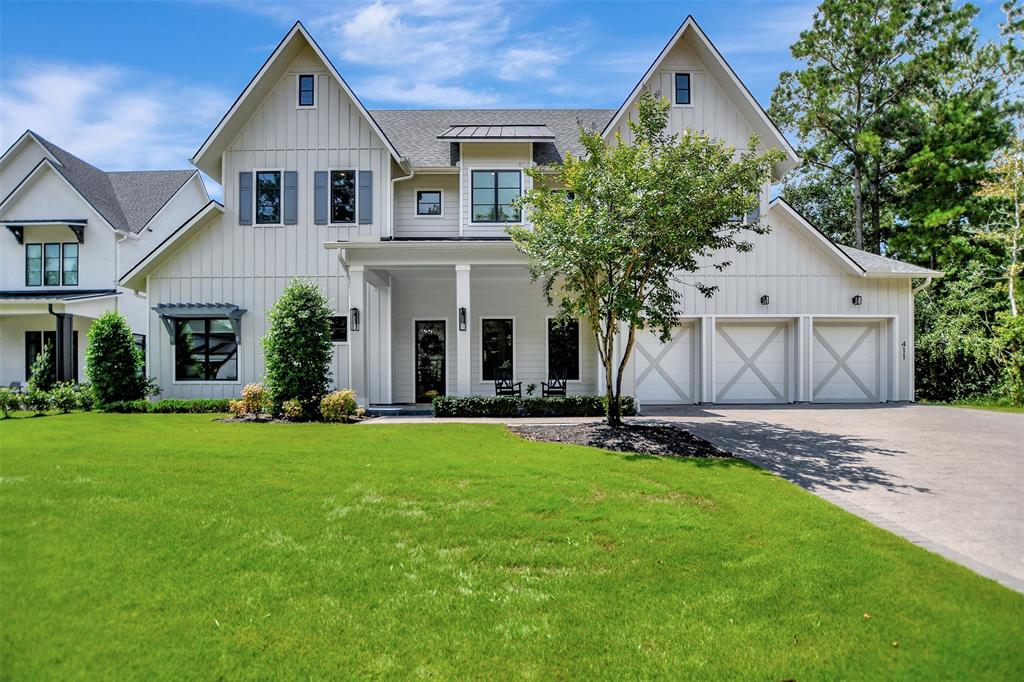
(949, 479)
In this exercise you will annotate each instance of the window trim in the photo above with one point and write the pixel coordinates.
(42, 261)
(78, 261)
(579, 350)
(416, 203)
(330, 197)
(491, 169)
(345, 342)
(204, 382)
(515, 344)
(255, 197)
(60, 263)
(298, 90)
(675, 89)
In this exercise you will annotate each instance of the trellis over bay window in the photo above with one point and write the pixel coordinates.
(205, 337)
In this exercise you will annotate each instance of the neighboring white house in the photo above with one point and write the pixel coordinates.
(70, 229)
(400, 217)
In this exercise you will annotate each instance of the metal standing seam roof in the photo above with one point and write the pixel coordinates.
(502, 132)
(128, 200)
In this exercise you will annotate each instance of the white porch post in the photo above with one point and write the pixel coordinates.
(463, 339)
(357, 337)
(804, 349)
(707, 359)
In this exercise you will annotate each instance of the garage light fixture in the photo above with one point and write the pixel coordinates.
(857, 300)
(353, 319)
(462, 319)
(764, 299)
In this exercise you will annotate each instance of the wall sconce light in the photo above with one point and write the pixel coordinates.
(858, 299)
(353, 319)
(764, 299)
(462, 319)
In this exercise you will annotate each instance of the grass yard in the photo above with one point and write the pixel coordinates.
(176, 547)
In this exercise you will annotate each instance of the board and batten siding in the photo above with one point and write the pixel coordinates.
(490, 156)
(410, 225)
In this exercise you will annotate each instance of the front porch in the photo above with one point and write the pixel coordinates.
(429, 319)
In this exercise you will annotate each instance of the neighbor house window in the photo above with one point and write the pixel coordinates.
(69, 268)
(496, 348)
(205, 350)
(563, 349)
(339, 329)
(682, 88)
(493, 195)
(51, 265)
(268, 197)
(33, 265)
(428, 202)
(343, 196)
(36, 341)
(307, 82)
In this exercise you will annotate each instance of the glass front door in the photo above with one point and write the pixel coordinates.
(430, 362)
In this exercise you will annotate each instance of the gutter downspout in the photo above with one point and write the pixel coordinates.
(391, 197)
(921, 287)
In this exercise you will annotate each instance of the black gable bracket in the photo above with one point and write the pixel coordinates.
(79, 231)
(18, 231)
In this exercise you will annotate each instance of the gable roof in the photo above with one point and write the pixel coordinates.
(134, 277)
(720, 70)
(208, 157)
(127, 200)
(416, 131)
(854, 261)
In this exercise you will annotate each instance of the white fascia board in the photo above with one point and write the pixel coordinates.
(137, 272)
(844, 261)
(26, 136)
(43, 165)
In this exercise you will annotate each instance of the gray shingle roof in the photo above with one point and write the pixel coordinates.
(414, 131)
(126, 199)
(872, 262)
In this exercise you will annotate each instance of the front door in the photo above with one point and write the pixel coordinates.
(430, 364)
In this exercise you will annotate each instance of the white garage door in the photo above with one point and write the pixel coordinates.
(665, 372)
(751, 362)
(847, 362)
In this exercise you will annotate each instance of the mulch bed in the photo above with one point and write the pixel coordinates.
(643, 439)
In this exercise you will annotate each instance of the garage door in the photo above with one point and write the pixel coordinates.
(665, 371)
(847, 362)
(751, 362)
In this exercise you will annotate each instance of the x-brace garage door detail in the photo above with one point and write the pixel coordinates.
(665, 371)
(847, 362)
(752, 362)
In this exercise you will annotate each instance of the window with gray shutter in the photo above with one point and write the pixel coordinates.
(291, 197)
(245, 198)
(365, 197)
(320, 197)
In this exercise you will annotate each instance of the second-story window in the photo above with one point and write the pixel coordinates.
(307, 94)
(69, 268)
(268, 197)
(51, 265)
(343, 196)
(33, 265)
(494, 192)
(683, 88)
(428, 202)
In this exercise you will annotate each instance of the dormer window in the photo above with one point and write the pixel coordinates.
(307, 86)
(683, 88)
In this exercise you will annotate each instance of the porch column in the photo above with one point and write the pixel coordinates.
(463, 339)
(357, 337)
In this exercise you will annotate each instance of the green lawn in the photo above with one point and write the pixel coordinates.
(176, 547)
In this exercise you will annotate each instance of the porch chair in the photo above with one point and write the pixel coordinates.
(503, 384)
(554, 387)
(18, 387)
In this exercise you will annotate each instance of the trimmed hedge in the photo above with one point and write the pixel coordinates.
(169, 406)
(509, 406)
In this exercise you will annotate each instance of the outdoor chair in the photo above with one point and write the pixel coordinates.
(503, 384)
(555, 386)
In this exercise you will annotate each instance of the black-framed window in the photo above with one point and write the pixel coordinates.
(564, 349)
(36, 341)
(268, 197)
(307, 83)
(682, 88)
(343, 196)
(428, 202)
(493, 194)
(497, 337)
(205, 350)
(339, 329)
(33, 265)
(51, 265)
(69, 264)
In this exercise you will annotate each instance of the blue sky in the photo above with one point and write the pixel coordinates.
(133, 85)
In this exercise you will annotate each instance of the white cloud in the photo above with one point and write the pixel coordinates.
(113, 117)
(425, 93)
(529, 63)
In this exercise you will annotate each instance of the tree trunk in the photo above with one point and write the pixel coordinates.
(874, 187)
(612, 411)
(858, 208)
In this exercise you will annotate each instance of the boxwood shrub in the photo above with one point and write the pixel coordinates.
(169, 405)
(505, 406)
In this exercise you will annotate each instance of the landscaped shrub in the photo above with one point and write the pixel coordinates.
(297, 347)
(37, 401)
(510, 406)
(64, 397)
(113, 363)
(86, 396)
(9, 402)
(255, 400)
(170, 406)
(43, 375)
(127, 406)
(340, 406)
(291, 409)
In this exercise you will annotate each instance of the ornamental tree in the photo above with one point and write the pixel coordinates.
(113, 362)
(297, 347)
(612, 230)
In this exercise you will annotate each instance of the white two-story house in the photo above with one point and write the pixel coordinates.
(401, 217)
(70, 229)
